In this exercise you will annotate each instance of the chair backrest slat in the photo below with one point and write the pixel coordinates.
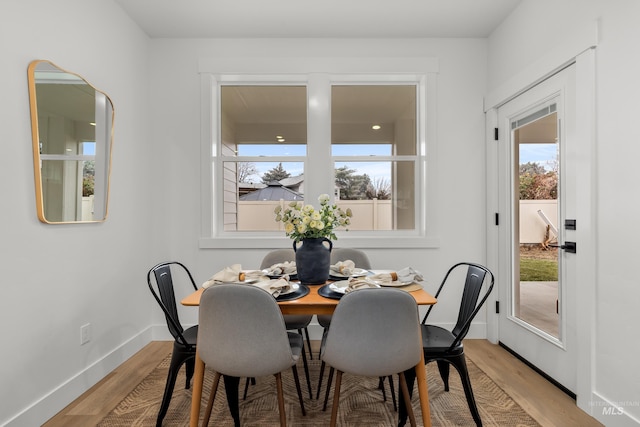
(470, 295)
(168, 297)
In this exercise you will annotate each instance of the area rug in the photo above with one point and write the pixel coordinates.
(361, 402)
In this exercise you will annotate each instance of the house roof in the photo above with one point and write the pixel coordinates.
(292, 180)
(273, 191)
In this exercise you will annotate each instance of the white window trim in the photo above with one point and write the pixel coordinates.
(336, 70)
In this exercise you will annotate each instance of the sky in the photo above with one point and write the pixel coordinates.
(375, 170)
(542, 154)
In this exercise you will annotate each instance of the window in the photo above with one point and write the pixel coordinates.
(374, 146)
(359, 138)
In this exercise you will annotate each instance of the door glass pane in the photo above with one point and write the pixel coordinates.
(536, 284)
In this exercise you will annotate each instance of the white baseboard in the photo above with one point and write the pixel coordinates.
(54, 401)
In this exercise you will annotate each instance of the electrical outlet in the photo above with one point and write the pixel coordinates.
(85, 333)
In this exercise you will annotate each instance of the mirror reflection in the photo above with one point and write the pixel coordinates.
(72, 130)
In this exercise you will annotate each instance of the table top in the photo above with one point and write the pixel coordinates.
(312, 303)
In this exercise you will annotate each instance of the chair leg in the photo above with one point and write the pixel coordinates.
(177, 359)
(190, 364)
(381, 387)
(409, 378)
(306, 334)
(294, 369)
(326, 394)
(246, 387)
(461, 365)
(443, 368)
(212, 397)
(306, 373)
(283, 416)
(320, 380)
(393, 393)
(231, 389)
(391, 388)
(407, 398)
(336, 399)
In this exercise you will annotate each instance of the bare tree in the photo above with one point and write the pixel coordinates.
(379, 189)
(246, 170)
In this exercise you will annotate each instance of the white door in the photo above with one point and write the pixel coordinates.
(536, 185)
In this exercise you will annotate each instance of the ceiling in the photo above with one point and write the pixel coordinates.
(318, 19)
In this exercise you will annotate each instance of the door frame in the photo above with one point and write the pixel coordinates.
(585, 213)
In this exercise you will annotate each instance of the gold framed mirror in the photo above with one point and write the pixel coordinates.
(72, 136)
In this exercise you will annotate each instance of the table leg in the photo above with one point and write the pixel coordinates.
(423, 390)
(196, 396)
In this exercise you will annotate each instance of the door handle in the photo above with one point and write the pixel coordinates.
(568, 246)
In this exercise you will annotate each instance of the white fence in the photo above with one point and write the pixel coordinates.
(377, 215)
(532, 226)
(367, 214)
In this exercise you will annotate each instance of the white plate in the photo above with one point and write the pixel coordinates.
(395, 283)
(294, 287)
(339, 287)
(392, 284)
(357, 272)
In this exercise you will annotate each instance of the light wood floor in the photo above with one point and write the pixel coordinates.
(541, 399)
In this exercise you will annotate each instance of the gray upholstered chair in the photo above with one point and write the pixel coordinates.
(375, 333)
(294, 322)
(361, 260)
(242, 334)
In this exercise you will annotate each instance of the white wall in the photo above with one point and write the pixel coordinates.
(56, 278)
(459, 171)
(529, 35)
(75, 274)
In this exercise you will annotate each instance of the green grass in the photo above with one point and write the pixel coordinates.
(538, 270)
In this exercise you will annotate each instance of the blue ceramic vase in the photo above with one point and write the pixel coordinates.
(313, 260)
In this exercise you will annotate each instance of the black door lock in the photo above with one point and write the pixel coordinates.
(568, 246)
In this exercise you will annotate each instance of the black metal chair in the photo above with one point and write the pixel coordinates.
(161, 285)
(445, 347)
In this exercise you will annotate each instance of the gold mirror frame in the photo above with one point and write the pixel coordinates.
(72, 137)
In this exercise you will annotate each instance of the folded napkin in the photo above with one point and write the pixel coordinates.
(287, 267)
(233, 274)
(344, 268)
(360, 283)
(274, 286)
(406, 275)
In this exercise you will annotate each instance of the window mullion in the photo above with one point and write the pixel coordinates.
(318, 167)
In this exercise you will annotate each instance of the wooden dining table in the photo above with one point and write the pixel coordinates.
(312, 303)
